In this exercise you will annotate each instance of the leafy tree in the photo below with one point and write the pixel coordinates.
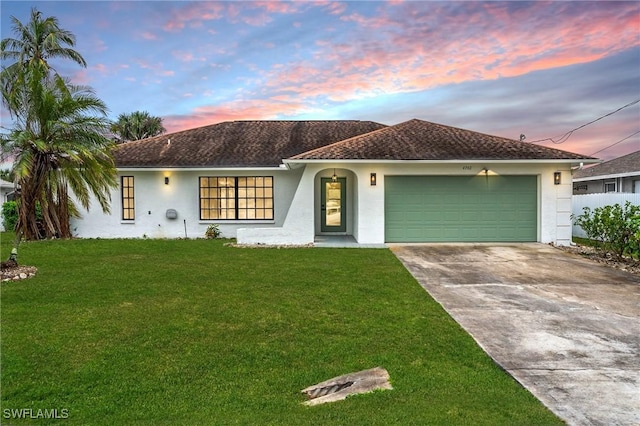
(137, 125)
(57, 138)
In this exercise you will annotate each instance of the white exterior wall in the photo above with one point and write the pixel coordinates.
(366, 203)
(554, 201)
(153, 198)
(297, 200)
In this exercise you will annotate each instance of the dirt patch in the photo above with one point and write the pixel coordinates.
(16, 273)
(626, 264)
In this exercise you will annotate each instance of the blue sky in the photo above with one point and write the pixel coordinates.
(504, 68)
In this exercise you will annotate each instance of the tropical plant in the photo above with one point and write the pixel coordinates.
(137, 125)
(57, 138)
(35, 44)
(213, 231)
(614, 228)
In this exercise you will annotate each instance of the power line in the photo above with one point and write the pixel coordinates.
(564, 137)
(615, 143)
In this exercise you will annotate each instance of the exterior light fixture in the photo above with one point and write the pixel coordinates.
(334, 177)
(166, 180)
(557, 178)
(373, 179)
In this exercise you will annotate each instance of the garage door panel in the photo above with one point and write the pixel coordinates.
(460, 208)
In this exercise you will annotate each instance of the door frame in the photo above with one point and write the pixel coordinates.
(343, 205)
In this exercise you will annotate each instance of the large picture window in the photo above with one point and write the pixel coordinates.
(128, 201)
(236, 198)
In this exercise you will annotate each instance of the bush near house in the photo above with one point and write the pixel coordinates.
(614, 229)
(10, 215)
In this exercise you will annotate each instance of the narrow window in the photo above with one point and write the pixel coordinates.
(610, 186)
(236, 198)
(128, 202)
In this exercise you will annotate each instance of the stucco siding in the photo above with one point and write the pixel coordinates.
(153, 198)
(297, 200)
(554, 201)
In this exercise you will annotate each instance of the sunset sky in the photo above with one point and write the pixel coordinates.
(505, 68)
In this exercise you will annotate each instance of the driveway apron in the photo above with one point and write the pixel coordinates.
(566, 328)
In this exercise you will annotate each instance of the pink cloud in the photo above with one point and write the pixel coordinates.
(417, 49)
(183, 56)
(193, 15)
(101, 68)
(156, 68)
(255, 13)
(255, 109)
(148, 35)
(413, 47)
(80, 77)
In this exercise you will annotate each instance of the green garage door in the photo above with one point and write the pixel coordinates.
(460, 208)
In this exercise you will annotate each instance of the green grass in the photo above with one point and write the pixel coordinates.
(194, 332)
(584, 241)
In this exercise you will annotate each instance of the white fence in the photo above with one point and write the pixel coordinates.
(599, 200)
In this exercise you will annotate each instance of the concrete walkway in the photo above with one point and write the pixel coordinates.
(566, 328)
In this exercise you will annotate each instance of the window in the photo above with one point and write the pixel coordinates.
(236, 198)
(128, 204)
(610, 186)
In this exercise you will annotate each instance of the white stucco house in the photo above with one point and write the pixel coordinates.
(289, 182)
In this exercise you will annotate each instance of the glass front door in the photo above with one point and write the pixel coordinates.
(333, 210)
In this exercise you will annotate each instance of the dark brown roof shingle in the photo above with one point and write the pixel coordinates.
(629, 163)
(422, 140)
(238, 143)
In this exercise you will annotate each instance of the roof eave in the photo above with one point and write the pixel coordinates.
(573, 162)
(609, 176)
(199, 168)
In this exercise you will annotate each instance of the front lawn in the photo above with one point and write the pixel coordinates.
(194, 332)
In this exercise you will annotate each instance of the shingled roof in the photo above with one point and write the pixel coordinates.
(629, 163)
(422, 140)
(238, 143)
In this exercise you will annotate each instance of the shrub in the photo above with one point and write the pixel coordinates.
(615, 228)
(9, 215)
(213, 231)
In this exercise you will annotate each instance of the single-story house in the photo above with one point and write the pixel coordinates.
(621, 174)
(287, 182)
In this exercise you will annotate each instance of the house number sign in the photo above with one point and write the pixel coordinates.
(466, 167)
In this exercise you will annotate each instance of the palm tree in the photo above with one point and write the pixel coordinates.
(65, 149)
(137, 125)
(36, 43)
(58, 132)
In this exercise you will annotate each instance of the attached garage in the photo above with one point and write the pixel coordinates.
(461, 208)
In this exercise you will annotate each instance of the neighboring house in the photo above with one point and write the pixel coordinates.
(286, 182)
(6, 191)
(621, 174)
(6, 194)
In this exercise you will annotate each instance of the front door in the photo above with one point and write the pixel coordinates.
(333, 212)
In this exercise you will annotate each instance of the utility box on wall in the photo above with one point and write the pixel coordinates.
(172, 214)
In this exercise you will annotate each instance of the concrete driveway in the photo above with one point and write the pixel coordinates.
(566, 328)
